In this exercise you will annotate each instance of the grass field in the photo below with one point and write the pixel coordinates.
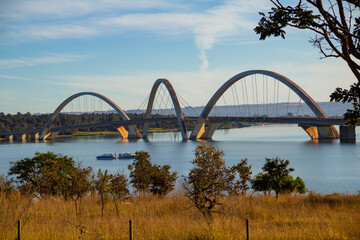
(173, 217)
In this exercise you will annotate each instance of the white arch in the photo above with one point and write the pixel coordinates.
(293, 86)
(123, 115)
(179, 114)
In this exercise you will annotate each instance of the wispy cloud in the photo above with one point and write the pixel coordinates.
(207, 27)
(35, 61)
(38, 9)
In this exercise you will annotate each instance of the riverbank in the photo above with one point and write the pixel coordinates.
(153, 130)
(174, 217)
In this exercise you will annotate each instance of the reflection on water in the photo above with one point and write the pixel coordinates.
(325, 166)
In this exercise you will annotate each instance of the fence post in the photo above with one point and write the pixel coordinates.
(130, 230)
(247, 230)
(19, 230)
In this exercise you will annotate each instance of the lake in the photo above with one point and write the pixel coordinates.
(325, 167)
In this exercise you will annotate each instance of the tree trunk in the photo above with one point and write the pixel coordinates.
(102, 204)
(117, 210)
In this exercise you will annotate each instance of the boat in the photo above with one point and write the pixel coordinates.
(126, 156)
(107, 156)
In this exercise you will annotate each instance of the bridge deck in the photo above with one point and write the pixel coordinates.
(284, 120)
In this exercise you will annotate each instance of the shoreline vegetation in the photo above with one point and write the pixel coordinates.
(80, 133)
(19, 122)
(314, 216)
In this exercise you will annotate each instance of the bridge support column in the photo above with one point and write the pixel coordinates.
(328, 132)
(124, 134)
(9, 137)
(35, 136)
(50, 136)
(21, 137)
(347, 134)
(133, 132)
(321, 132)
(145, 132)
(209, 131)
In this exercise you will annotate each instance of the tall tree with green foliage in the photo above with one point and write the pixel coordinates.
(277, 171)
(261, 183)
(162, 180)
(146, 177)
(103, 187)
(46, 174)
(140, 172)
(336, 24)
(276, 177)
(80, 180)
(208, 180)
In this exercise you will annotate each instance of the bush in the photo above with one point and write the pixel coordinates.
(146, 177)
(208, 181)
(275, 177)
(46, 174)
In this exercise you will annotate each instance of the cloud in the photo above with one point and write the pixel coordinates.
(35, 61)
(91, 18)
(38, 9)
(208, 27)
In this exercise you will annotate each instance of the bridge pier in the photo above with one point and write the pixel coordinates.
(9, 137)
(145, 132)
(131, 133)
(50, 136)
(321, 132)
(21, 136)
(347, 134)
(34, 136)
(209, 131)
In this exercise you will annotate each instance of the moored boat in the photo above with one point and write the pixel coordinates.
(126, 156)
(107, 156)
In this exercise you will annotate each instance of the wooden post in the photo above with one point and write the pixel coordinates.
(130, 230)
(19, 230)
(247, 230)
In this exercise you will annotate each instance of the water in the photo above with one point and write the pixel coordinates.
(325, 167)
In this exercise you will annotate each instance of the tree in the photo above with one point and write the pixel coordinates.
(336, 25)
(146, 177)
(275, 177)
(277, 171)
(243, 170)
(46, 174)
(162, 180)
(102, 185)
(79, 184)
(293, 185)
(261, 183)
(208, 179)
(140, 172)
(119, 188)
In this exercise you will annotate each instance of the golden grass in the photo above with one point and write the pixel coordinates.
(173, 217)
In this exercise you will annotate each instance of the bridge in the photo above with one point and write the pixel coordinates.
(265, 97)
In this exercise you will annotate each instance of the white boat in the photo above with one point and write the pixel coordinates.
(107, 156)
(126, 156)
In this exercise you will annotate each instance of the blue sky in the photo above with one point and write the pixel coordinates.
(50, 50)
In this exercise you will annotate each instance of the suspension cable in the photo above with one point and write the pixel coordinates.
(233, 95)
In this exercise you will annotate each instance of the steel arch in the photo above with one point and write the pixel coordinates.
(179, 114)
(293, 86)
(123, 115)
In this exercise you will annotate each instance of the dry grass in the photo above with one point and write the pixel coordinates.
(291, 217)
